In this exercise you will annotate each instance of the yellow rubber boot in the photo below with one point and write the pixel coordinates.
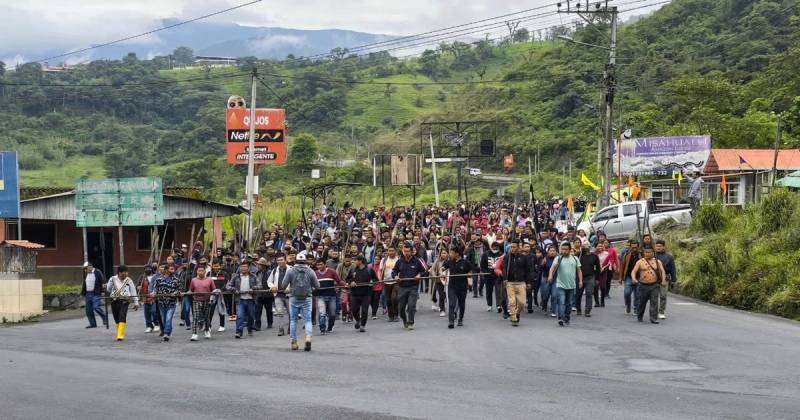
(120, 331)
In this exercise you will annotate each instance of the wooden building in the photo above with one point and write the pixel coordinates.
(50, 220)
(748, 174)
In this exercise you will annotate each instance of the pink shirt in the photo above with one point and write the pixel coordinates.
(204, 286)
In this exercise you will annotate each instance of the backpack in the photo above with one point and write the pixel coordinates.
(301, 284)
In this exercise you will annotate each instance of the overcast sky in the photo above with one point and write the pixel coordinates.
(31, 26)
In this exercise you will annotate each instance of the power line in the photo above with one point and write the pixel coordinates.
(127, 38)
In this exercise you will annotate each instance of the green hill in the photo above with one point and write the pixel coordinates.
(720, 67)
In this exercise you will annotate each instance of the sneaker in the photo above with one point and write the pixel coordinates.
(587, 315)
(322, 332)
(628, 310)
(552, 315)
(515, 323)
(281, 332)
(410, 326)
(574, 309)
(499, 309)
(148, 330)
(250, 333)
(294, 345)
(505, 315)
(166, 338)
(156, 328)
(442, 314)
(362, 329)
(90, 326)
(560, 323)
(530, 310)
(640, 319)
(405, 325)
(221, 329)
(356, 325)
(232, 318)
(460, 323)
(566, 323)
(180, 324)
(188, 328)
(194, 337)
(653, 321)
(207, 334)
(662, 316)
(489, 309)
(308, 345)
(451, 326)
(434, 308)
(374, 318)
(238, 336)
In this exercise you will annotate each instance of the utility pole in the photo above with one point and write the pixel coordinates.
(355, 146)
(778, 131)
(610, 79)
(251, 158)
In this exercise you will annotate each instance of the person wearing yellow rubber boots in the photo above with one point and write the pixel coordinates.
(122, 292)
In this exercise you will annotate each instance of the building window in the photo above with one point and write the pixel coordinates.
(40, 233)
(663, 196)
(143, 238)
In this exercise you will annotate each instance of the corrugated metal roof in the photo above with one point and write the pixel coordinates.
(752, 159)
(62, 207)
(22, 244)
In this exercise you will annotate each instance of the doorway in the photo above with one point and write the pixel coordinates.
(101, 253)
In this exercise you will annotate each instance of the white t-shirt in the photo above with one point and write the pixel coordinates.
(90, 279)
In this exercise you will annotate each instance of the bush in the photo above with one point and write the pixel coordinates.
(710, 218)
(776, 211)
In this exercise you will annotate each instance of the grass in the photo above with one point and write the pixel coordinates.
(369, 105)
(61, 289)
(66, 174)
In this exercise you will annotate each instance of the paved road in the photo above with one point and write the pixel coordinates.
(703, 362)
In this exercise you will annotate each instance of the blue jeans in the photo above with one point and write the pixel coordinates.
(186, 310)
(167, 312)
(326, 309)
(553, 296)
(150, 314)
(630, 288)
(245, 315)
(544, 291)
(303, 307)
(94, 303)
(564, 300)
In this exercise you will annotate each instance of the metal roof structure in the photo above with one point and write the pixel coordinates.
(62, 207)
(724, 160)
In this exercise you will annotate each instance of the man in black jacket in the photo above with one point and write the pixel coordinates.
(672, 276)
(518, 272)
(360, 281)
(457, 284)
(488, 260)
(92, 291)
(408, 268)
(590, 268)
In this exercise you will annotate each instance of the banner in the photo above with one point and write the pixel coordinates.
(662, 155)
(270, 138)
(9, 185)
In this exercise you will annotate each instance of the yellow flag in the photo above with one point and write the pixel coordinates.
(570, 203)
(588, 182)
(680, 177)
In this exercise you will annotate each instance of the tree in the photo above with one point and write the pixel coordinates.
(2, 68)
(184, 56)
(522, 35)
(303, 152)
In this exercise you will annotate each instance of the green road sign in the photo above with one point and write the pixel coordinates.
(119, 202)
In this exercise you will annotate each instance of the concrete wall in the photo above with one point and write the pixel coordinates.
(19, 298)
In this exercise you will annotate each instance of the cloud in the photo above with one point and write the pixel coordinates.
(270, 43)
(36, 28)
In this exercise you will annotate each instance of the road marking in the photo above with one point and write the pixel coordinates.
(684, 303)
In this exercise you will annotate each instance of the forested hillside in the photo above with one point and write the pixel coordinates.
(721, 67)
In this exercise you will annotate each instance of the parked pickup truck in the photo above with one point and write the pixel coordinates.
(622, 221)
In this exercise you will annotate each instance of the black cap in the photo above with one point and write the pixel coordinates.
(361, 258)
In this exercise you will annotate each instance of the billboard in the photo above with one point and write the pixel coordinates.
(119, 202)
(662, 155)
(9, 185)
(270, 138)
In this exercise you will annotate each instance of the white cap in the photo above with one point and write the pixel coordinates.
(87, 264)
(301, 257)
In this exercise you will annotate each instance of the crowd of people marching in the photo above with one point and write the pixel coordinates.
(350, 265)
